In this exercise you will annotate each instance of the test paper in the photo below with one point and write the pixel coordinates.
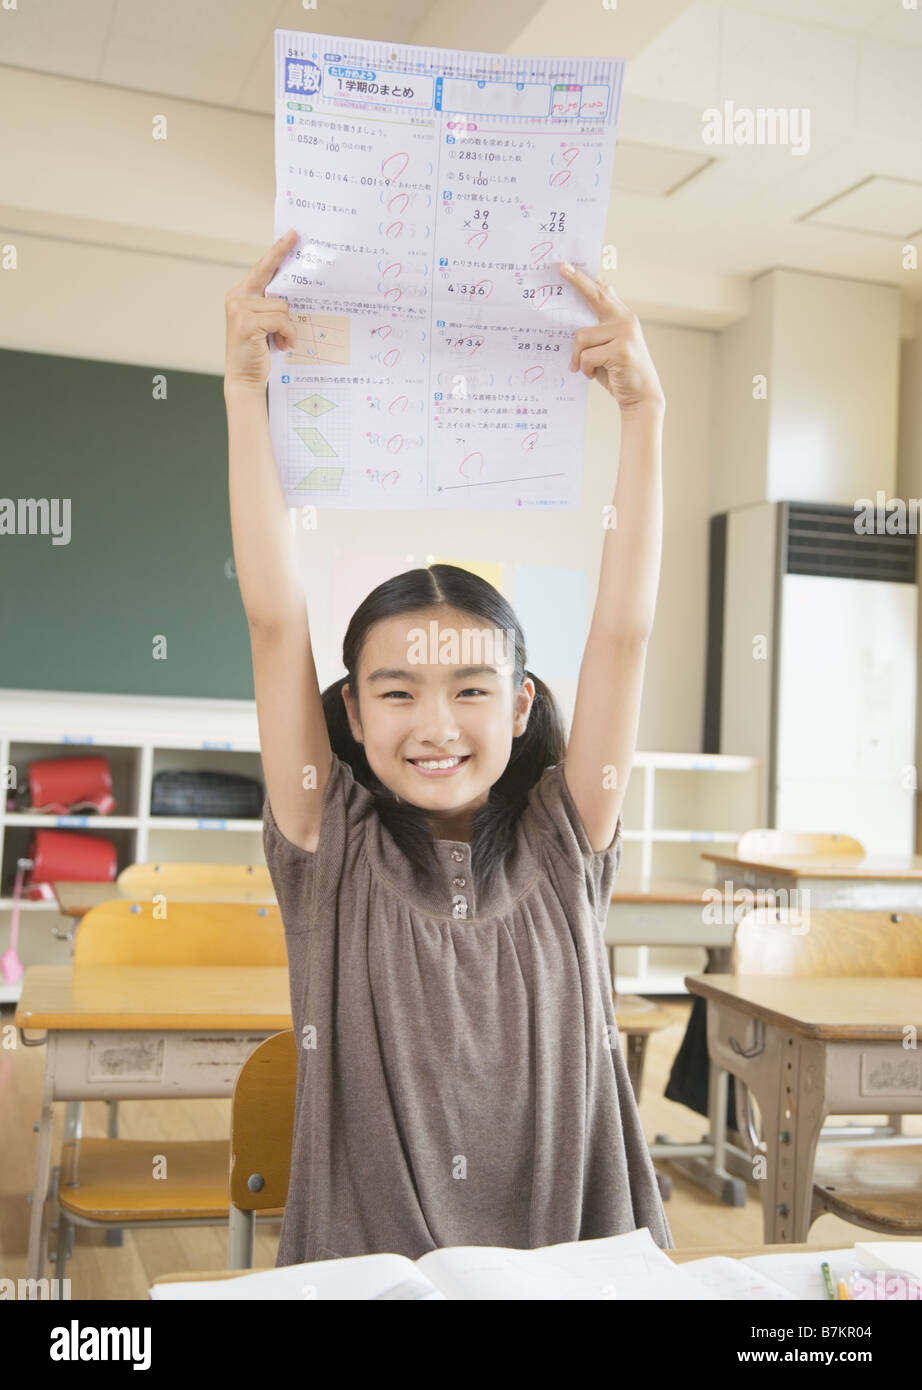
(435, 193)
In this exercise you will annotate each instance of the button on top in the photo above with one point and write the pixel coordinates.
(458, 882)
(457, 854)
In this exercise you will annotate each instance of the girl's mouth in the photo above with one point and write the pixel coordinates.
(454, 765)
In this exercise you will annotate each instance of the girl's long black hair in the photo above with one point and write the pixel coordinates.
(542, 745)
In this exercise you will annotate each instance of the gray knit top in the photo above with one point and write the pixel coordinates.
(461, 1078)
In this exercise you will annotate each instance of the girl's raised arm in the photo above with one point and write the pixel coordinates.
(293, 734)
(606, 714)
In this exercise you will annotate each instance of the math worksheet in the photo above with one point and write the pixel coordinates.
(435, 193)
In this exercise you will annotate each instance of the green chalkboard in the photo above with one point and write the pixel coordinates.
(150, 553)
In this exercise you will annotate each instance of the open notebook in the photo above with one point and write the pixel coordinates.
(629, 1266)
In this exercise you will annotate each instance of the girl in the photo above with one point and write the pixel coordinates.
(443, 860)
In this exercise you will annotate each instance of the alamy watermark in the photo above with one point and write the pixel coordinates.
(786, 908)
(33, 516)
(885, 516)
(760, 125)
(471, 646)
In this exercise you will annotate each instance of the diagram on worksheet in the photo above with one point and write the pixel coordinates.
(318, 441)
(435, 193)
(322, 338)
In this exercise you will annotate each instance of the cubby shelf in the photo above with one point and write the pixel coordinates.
(676, 804)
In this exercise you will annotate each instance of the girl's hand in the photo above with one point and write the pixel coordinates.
(251, 317)
(614, 351)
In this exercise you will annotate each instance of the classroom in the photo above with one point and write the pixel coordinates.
(277, 1018)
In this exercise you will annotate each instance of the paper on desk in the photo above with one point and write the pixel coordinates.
(629, 1266)
(435, 193)
(361, 1277)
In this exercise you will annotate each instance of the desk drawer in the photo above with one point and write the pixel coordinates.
(113, 1064)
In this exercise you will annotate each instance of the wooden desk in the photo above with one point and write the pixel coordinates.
(118, 1032)
(666, 912)
(76, 899)
(868, 881)
(818, 1047)
(860, 881)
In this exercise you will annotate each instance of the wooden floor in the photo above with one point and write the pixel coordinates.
(100, 1271)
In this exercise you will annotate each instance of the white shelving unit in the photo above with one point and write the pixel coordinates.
(140, 737)
(677, 801)
(681, 802)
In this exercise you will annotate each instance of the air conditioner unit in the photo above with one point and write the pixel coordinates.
(811, 665)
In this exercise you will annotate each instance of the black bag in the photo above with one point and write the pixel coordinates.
(216, 795)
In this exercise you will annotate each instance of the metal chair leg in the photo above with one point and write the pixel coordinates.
(241, 1232)
(65, 1231)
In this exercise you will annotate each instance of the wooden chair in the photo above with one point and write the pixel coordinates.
(108, 1182)
(777, 844)
(877, 1185)
(262, 1127)
(143, 880)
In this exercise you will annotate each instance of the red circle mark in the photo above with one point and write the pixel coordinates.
(395, 444)
(396, 401)
(392, 358)
(396, 291)
(530, 440)
(475, 455)
(546, 245)
(393, 474)
(485, 282)
(385, 329)
(573, 152)
(548, 292)
(560, 179)
(390, 160)
(478, 240)
(394, 266)
(389, 231)
(396, 199)
(533, 373)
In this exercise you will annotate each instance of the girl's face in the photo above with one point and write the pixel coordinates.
(436, 686)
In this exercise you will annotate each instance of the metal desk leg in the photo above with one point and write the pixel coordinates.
(791, 1096)
(715, 1164)
(35, 1259)
(73, 1121)
(709, 1170)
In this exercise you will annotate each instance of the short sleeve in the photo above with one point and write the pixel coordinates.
(304, 879)
(552, 814)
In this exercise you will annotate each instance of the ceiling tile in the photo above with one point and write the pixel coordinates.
(878, 206)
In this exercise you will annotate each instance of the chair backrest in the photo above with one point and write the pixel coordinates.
(262, 1124)
(140, 880)
(775, 844)
(827, 942)
(125, 933)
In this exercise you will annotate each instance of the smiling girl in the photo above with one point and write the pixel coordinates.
(443, 859)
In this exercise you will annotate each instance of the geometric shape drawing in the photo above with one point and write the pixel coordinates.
(315, 441)
(321, 338)
(315, 405)
(322, 479)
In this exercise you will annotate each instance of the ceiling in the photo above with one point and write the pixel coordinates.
(682, 211)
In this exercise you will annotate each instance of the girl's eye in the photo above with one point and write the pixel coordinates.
(472, 690)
